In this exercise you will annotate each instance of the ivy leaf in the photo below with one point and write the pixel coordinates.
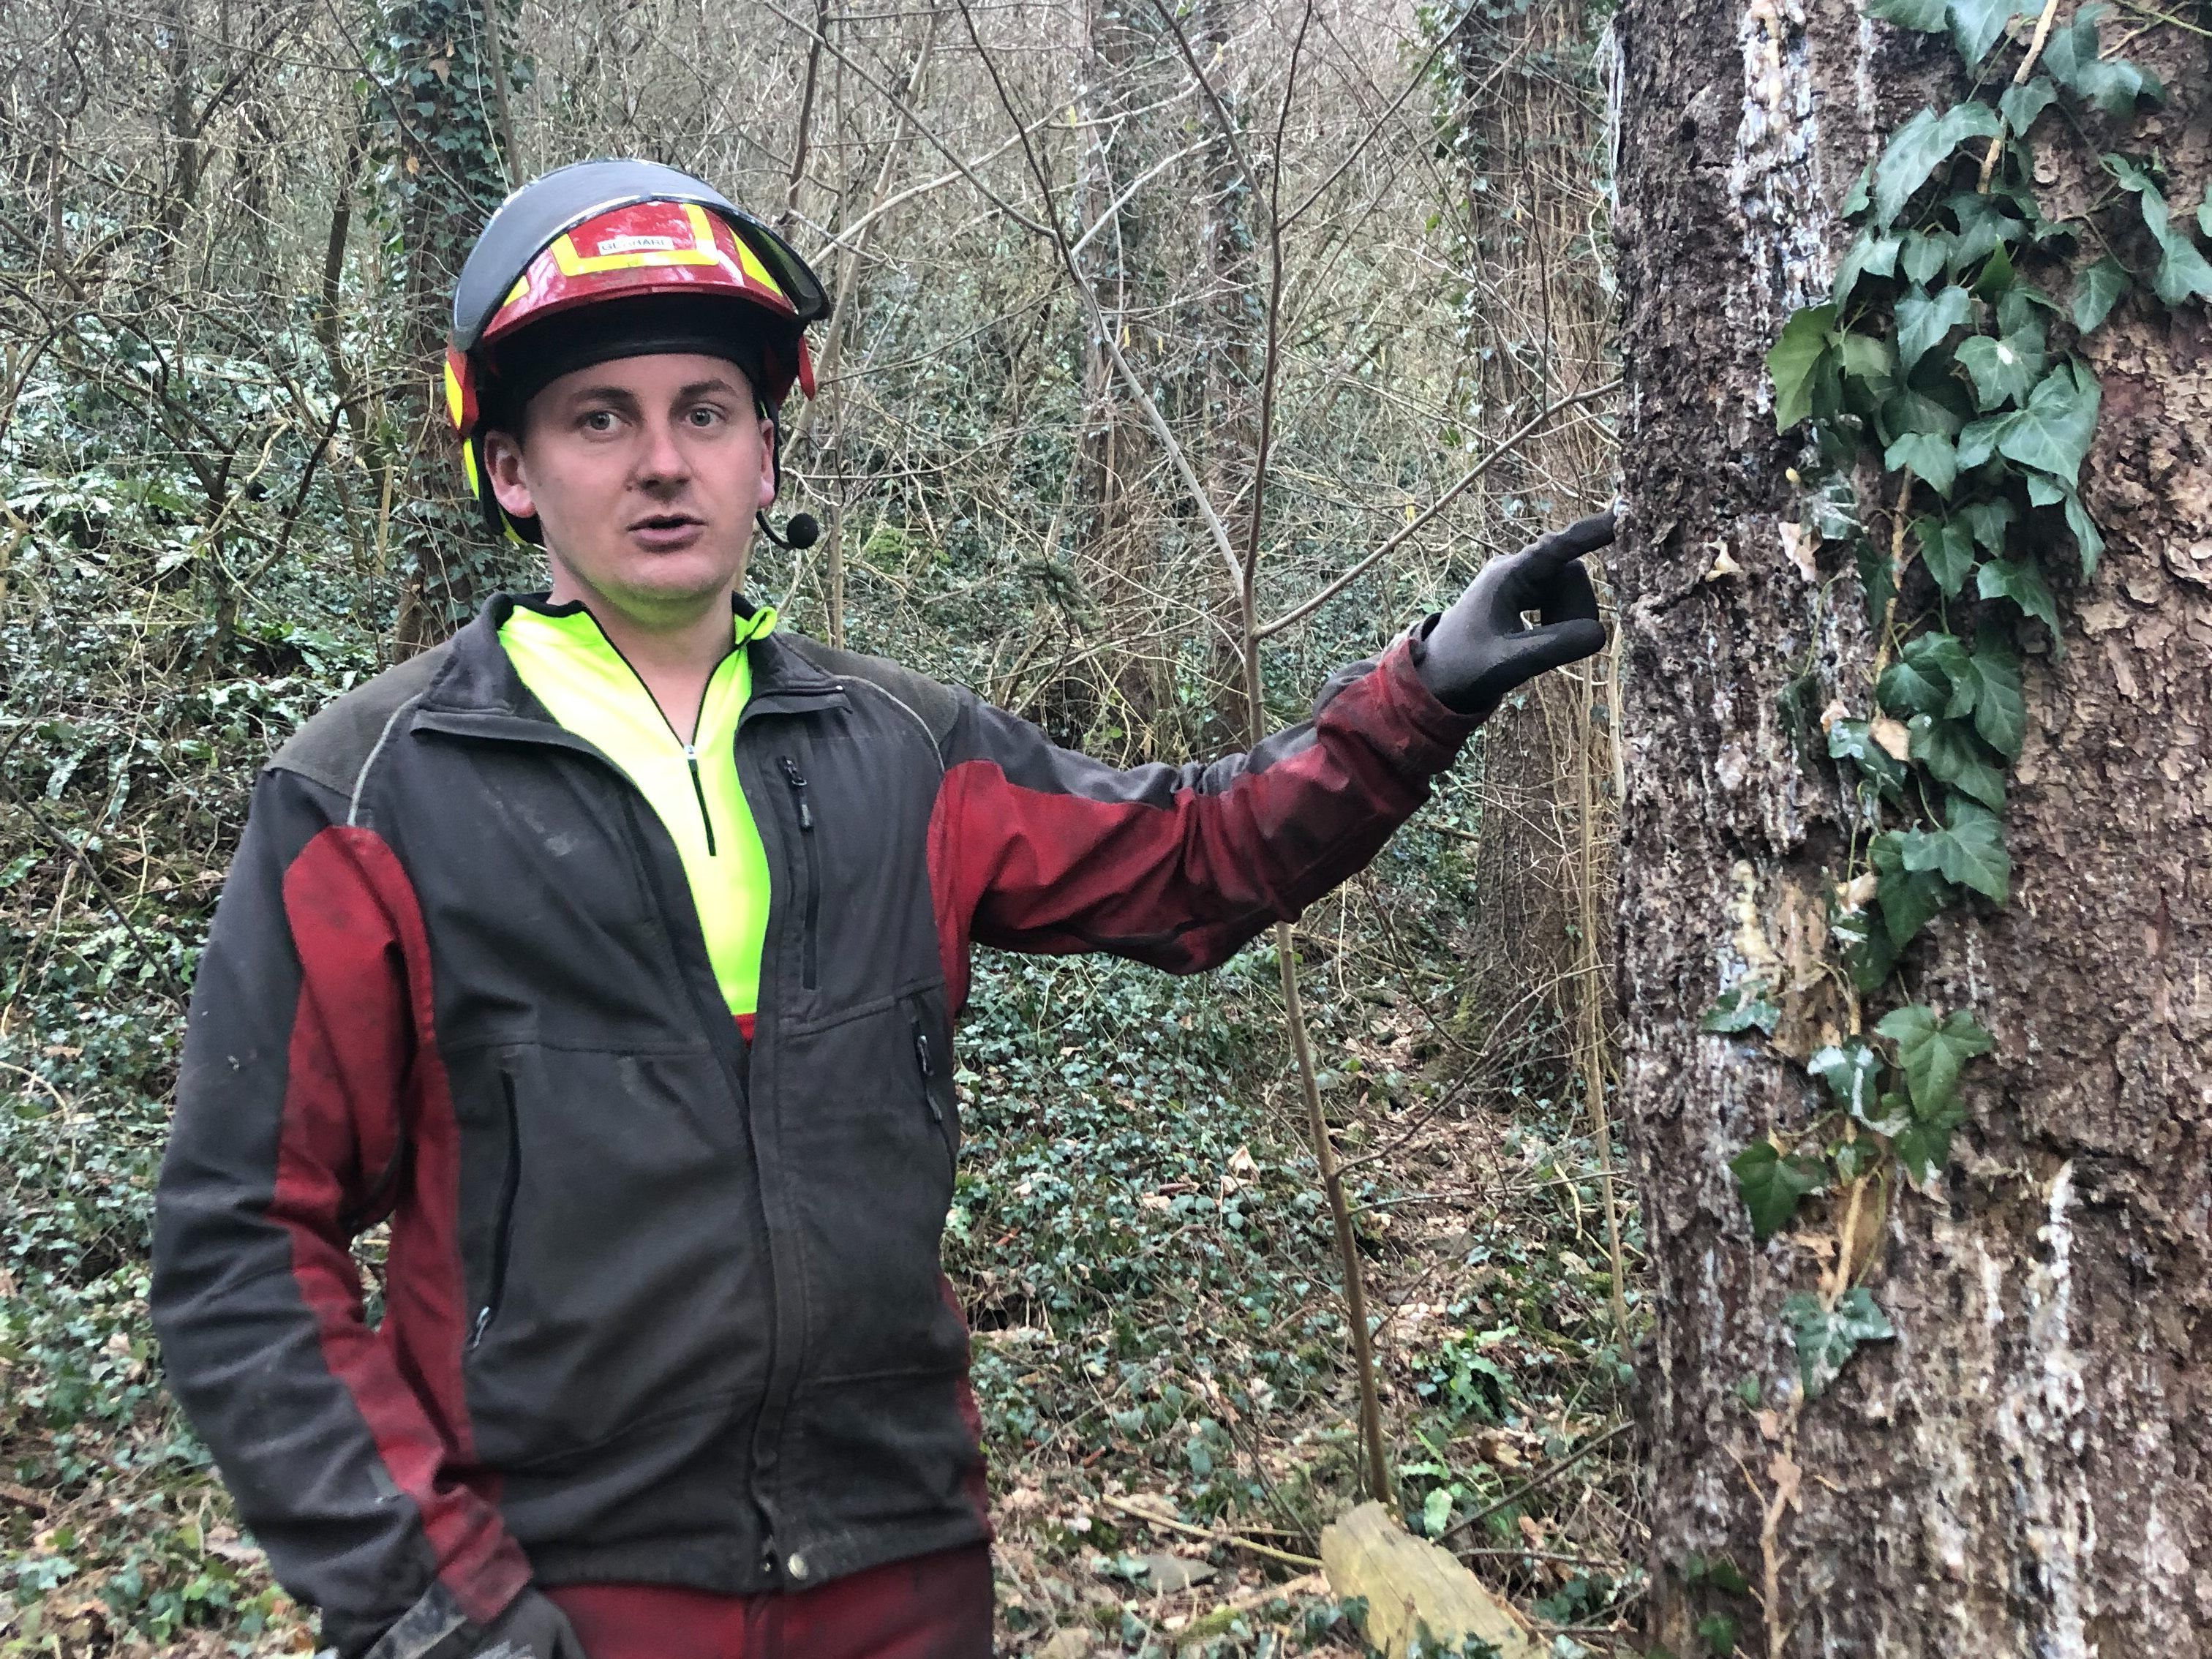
(1877, 581)
(1922, 253)
(1868, 362)
(1933, 457)
(1976, 24)
(2018, 305)
(1997, 276)
(1855, 199)
(1983, 228)
(1795, 361)
(1925, 1147)
(1772, 1184)
(2023, 583)
(2086, 533)
(1918, 148)
(2113, 85)
(1989, 520)
(1904, 688)
(1947, 550)
(1969, 850)
(1870, 254)
(1926, 15)
(1835, 512)
(2097, 290)
(1867, 953)
(2020, 105)
(2053, 432)
(1923, 320)
(1943, 656)
(2204, 212)
(1853, 740)
(1931, 1052)
(2183, 272)
(2000, 704)
(1913, 410)
(1909, 899)
(1742, 1007)
(2004, 370)
(1852, 1071)
(1949, 749)
(1826, 1339)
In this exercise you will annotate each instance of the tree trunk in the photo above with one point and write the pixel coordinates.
(2022, 1469)
(448, 176)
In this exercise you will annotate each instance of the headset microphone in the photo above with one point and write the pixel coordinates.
(799, 532)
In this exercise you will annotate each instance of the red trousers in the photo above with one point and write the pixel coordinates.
(933, 1607)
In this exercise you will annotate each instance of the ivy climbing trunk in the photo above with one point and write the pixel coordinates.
(2013, 1460)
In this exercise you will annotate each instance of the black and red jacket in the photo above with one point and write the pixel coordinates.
(662, 1306)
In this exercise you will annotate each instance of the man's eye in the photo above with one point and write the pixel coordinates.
(599, 420)
(704, 416)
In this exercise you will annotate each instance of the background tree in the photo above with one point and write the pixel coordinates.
(1929, 1358)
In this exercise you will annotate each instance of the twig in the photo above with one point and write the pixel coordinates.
(2019, 79)
(1543, 1479)
(1498, 452)
(1212, 1535)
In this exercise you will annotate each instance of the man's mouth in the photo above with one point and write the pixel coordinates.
(667, 532)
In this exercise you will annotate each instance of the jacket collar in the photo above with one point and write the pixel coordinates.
(478, 682)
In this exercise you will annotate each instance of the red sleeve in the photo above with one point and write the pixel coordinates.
(1035, 847)
(310, 1101)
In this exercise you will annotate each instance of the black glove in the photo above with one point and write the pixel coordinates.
(530, 1628)
(1479, 650)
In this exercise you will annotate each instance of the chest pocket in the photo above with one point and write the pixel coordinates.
(852, 794)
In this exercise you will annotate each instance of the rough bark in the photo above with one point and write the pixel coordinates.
(2024, 1469)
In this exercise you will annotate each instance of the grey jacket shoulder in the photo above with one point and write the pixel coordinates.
(336, 745)
(935, 705)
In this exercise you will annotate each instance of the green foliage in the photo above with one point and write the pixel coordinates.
(1772, 1184)
(1826, 1338)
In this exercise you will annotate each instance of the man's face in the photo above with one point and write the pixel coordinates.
(644, 474)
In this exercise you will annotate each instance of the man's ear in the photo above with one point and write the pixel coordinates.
(768, 480)
(502, 456)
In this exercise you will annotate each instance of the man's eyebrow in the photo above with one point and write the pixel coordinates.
(606, 393)
(700, 388)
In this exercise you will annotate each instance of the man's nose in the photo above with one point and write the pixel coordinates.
(662, 463)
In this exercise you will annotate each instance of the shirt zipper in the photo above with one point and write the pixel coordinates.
(797, 780)
(689, 745)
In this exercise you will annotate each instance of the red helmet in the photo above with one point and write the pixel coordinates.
(689, 269)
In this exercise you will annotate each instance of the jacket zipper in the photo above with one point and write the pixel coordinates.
(719, 1033)
(503, 1234)
(926, 1059)
(797, 780)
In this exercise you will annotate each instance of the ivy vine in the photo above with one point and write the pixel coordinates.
(1939, 373)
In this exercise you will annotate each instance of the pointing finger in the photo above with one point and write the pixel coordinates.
(1582, 536)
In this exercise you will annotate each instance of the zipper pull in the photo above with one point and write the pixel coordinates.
(791, 774)
(928, 1070)
(484, 1318)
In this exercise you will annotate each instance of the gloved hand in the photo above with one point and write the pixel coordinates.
(531, 1628)
(1480, 650)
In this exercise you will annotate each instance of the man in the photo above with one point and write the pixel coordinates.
(611, 950)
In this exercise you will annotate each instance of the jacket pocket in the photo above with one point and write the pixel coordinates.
(616, 1264)
(502, 1238)
(935, 1066)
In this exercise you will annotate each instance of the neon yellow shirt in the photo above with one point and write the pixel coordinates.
(574, 670)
